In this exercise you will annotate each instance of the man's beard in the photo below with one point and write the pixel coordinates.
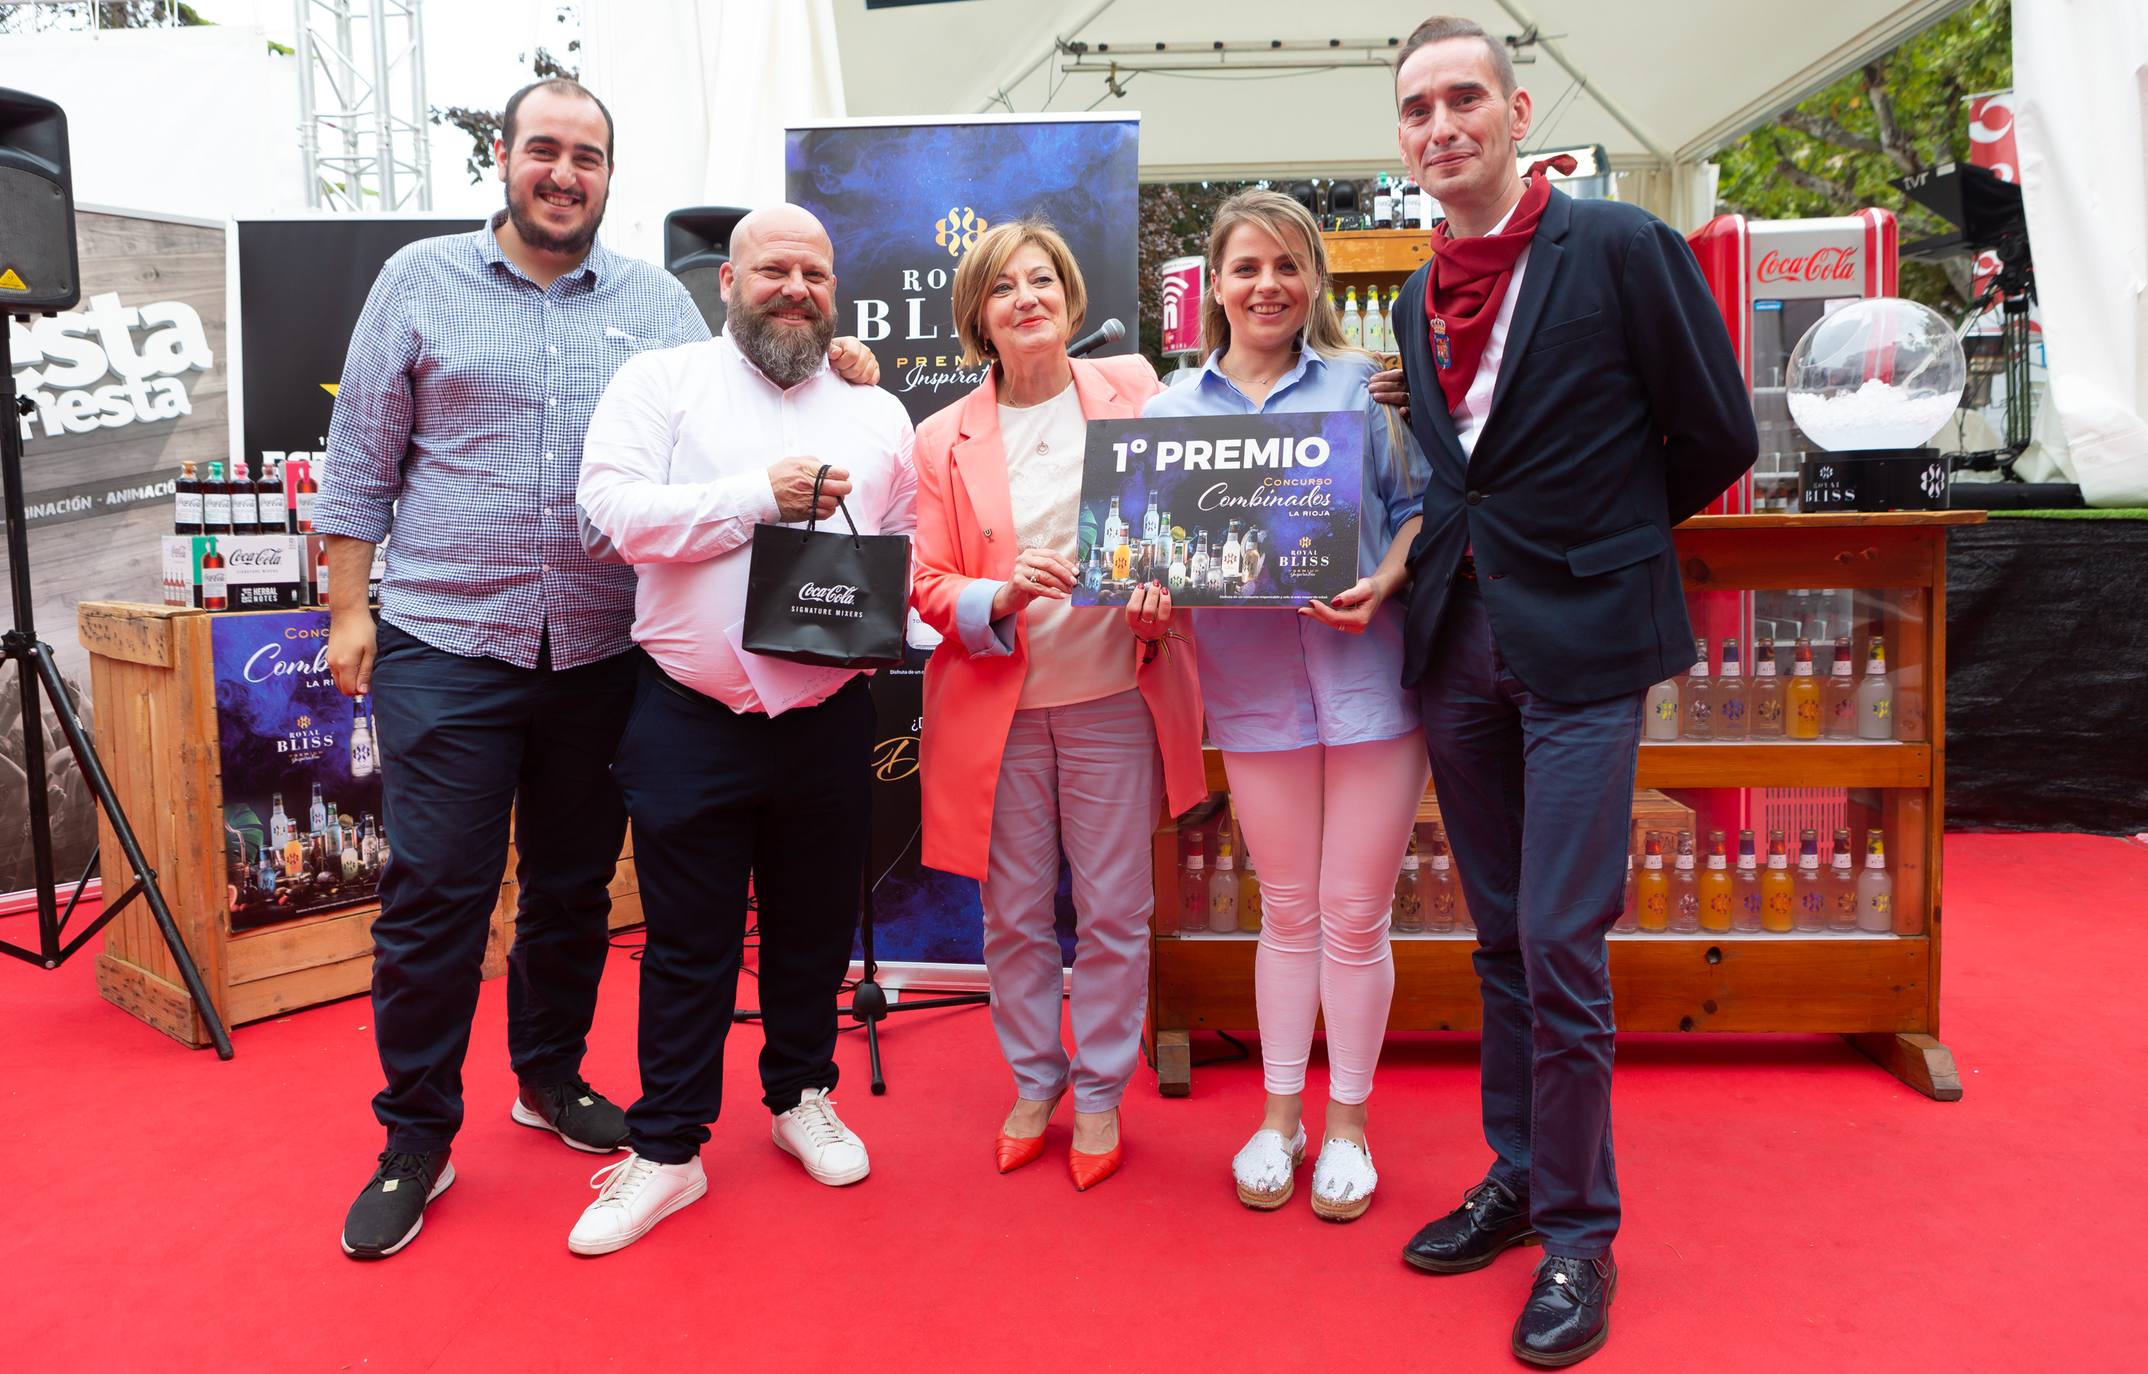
(523, 214)
(785, 354)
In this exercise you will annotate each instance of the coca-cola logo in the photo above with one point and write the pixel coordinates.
(255, 558)
(837, 595)
(1821, 264)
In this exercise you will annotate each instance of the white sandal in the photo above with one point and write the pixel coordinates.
(1265, 1170)
(1343, 1180)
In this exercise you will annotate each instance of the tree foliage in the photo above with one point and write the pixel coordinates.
(1174, 220)
(483, 126)
(68, 15)
(1838, 151)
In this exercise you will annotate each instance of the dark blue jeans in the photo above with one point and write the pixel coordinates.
(719, 797)
(1537, 798)
(464, 743)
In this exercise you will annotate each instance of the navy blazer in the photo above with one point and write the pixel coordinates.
(1620, 410)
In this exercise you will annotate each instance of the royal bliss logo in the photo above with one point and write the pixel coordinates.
(924, 288)
(958, 230)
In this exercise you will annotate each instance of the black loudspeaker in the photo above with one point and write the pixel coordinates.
(38, 267)
(697, 243)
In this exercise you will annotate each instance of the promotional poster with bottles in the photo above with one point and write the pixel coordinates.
(1226, 510)
(301, 772)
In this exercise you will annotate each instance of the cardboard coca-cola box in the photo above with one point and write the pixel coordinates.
(233, 572)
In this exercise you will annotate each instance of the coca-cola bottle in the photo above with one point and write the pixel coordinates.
(214, 596)
(186, 502)
(215, 501)
(305, 493)
(245, 512)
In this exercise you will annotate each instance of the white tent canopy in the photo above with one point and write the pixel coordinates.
(1661, 86)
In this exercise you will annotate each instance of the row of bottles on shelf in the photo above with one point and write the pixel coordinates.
(1224, 897)
(1370, 326)
(1726, 706)
(1388, 202)
(1747, 899)
(279, 500)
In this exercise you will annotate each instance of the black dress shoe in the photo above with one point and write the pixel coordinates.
(1568, 1315)
(1490, 1219)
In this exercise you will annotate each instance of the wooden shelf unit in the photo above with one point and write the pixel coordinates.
(1879, 991)
(152, 679)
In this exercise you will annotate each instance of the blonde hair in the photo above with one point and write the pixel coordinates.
(1291, 225)
(982, 266)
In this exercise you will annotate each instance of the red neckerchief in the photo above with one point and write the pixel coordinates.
(1469, 279)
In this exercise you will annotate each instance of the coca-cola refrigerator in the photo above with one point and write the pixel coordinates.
(1772, 279)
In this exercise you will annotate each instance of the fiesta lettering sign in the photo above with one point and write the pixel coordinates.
(108, 365)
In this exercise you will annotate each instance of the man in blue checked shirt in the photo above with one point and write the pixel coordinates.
(500, 669)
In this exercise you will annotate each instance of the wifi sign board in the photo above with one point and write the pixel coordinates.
(1183, 281)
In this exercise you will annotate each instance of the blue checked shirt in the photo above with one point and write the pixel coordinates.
(460, 420)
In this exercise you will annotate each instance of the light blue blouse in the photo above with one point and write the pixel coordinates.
(1274, 679)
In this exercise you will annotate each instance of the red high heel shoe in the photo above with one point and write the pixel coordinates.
(1089, 1170)
(1014, 1151)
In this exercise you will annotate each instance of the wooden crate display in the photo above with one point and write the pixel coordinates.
(1881, 991)
(152, 677)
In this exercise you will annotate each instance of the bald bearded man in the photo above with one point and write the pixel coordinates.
(690, 448)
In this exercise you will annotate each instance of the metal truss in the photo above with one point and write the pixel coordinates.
(362, 110)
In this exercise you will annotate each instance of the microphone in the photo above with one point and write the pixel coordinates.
(1109, 332)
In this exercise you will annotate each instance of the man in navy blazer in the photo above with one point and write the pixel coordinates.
(1577, 395)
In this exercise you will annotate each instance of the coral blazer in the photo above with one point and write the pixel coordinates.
(965, 531)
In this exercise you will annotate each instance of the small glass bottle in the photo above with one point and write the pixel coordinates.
(1801, 699)
(1223, 889)
(1778, 896)
(1745, 885)
(1697, 697)
(1875, 696)
(1875, 888)
(1718, 899)
(1767, 693)
(1653, 887)
(1685, 889)
(1732, 720)
(1811, 913)
(1660, 712)
(1840, 704)
(1439, 893)
(1629, 918)
(1193, 888)
(1841, 885)
(1248, 898)
(1409, 910)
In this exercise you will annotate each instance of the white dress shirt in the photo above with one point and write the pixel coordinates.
(1476, 407)
(675, 475)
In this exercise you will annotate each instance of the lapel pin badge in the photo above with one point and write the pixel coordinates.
(988, 534)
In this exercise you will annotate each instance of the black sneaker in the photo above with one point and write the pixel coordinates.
(389, 1213)
(576, 1113)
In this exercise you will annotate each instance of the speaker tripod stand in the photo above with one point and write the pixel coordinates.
(40, 678)
(869, 1004)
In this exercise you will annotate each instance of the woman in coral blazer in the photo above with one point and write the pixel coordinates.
(1047, 725)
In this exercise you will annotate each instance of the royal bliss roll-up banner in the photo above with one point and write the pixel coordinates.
(903, 200)
(1225, 510)
(301, 773)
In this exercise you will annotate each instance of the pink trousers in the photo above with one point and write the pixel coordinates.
(1326, 827)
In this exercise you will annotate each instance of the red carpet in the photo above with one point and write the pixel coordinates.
(1789, 1206)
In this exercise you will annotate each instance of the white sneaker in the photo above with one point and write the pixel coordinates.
(1343, 1181)
(632, 1197)
(1265, 1168)
(811, 1131)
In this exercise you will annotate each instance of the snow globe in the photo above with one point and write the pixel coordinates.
(1871, 383)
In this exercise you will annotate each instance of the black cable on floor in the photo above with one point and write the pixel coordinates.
(1235, 1043)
